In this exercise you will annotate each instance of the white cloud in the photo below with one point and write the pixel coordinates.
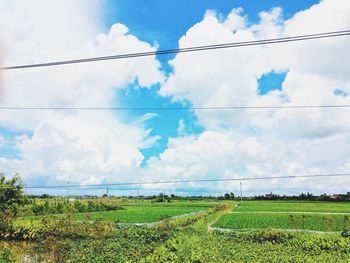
(95, 147)
(80, 147)
(215, 155)
(2, 140)
(181, 129)
(235, 20)
(268, 142)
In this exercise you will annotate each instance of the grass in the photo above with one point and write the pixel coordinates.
(287, 206)
(186, 243)
(279, 221)
(136, 213)
(276, 214)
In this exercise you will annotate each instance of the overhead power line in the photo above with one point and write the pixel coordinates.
(188, 49)
(176, 108)
(82, 186)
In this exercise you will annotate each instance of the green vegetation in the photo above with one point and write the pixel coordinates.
(11, 197)
(52, 230)
(59, 206)
(186, 240)
(139, 214)
(129, 214)
(176, 240)
(292, 206)
(317, 222)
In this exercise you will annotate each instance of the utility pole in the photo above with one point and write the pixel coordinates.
(68, 188)
(240, 184)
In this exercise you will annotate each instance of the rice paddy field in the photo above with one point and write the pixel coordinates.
(191, 238)
(314, 216)
(135, 212)
(140, 214)
(288, 206)
(316, 222)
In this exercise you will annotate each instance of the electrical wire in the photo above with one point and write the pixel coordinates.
(188, 49)
(176, 108)
(87, 186)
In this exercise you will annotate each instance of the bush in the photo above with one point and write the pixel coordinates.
(318, 243)
(11, 196)
(63, 206)
(164, 217)
(345, 233)
(271, 235)
(64, 227)
(6, 256)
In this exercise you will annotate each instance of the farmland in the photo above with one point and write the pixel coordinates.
(186, 239)
(137, 213)
(314, 222)
(314, 216)
(289, 206)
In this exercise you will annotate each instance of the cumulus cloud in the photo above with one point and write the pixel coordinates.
(269, 142)
(80, 147)
(218, 155)
(96, 147)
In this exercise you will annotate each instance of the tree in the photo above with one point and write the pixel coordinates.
(11, 196)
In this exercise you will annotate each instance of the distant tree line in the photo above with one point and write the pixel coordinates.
(305, 197)
(226, 196)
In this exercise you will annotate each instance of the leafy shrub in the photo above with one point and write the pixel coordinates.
(345, 233)
(164, 217)
(64, 227)
(319, 243)
(11, 196)
(6, 256)
(64, 206)
(346, 226)
(271, 235)
(221, 207)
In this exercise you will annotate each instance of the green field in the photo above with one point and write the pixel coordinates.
(287, 206)
(140, 214)
(279, 221)
(184, 239)
(316, 216)
(133, 213)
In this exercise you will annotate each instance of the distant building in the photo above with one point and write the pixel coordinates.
(334, 196)
(270, 195)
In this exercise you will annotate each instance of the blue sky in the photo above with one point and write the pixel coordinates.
(95, 147)
(165, 22)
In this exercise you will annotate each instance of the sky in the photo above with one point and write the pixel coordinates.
(92, 147)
